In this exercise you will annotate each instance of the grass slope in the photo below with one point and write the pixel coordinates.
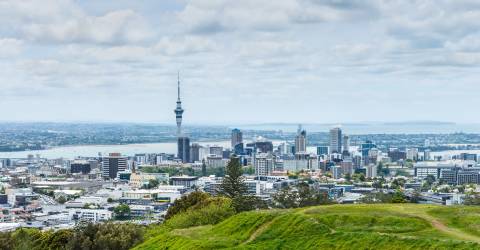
(385, 226)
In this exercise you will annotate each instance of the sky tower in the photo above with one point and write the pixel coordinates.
(179, 111)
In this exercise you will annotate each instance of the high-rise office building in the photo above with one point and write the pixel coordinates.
(396, 155)
(238, 149)
(335, 140)
(365, 147)
(412, 154)
(113, 164)
(237, 137)
(195, 152)
(371, 170)
(301, 140)
(346, 143)
(263, 164)
(183, 144)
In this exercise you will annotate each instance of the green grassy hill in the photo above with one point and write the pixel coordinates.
(385, 226)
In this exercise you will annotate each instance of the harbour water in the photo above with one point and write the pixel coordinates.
(72, 152)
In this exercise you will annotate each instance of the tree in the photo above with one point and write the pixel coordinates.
(378, 183)
(472, 199)
(286, 198)
(429, 181)
(233, 184)
(62, 199)
(398, 183)
(415, 197)
(301, 195)
(399, 197)
(152, 183)
(348, 177)
(382, 170)
(233, 187)
(307, 196)
(56, 240)
(122, 211)
(362, 177)
(250, 170)
(378, 197)
(109, 235)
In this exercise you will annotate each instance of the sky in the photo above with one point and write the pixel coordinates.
(240, 62)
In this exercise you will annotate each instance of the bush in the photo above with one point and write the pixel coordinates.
(84, 237)
(185, 202)
(207, 212)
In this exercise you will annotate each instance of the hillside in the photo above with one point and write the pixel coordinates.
(385, 226)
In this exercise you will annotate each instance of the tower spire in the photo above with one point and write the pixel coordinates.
(178, 85)
(178, 110)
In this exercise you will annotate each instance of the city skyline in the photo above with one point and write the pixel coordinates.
(365, 61)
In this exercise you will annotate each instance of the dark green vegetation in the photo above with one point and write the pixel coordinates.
(234, 188)
(373, 226)
(114, 236)
(302, 195)
(122, 212)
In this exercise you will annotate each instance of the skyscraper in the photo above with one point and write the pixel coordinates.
(346, 145)
(237, 137)
(301, 140)
(113, 164)
(263, 164)
(195, 152)
(183, 144)
(335, 140)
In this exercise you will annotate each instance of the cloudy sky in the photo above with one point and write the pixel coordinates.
(249, 61)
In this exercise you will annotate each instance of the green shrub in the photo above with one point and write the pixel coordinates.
(207, 212)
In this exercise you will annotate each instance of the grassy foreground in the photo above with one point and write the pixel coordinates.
(384, 226)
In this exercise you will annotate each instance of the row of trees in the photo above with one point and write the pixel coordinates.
(301, 195)
(85, 236)
(381, 197)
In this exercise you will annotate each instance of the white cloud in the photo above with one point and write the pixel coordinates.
(206, 16)
(10, 47)
(184, 46)
(241, 55)
(63, 21)
(469, 43)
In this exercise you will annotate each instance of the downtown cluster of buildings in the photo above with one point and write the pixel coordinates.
(58, 193)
